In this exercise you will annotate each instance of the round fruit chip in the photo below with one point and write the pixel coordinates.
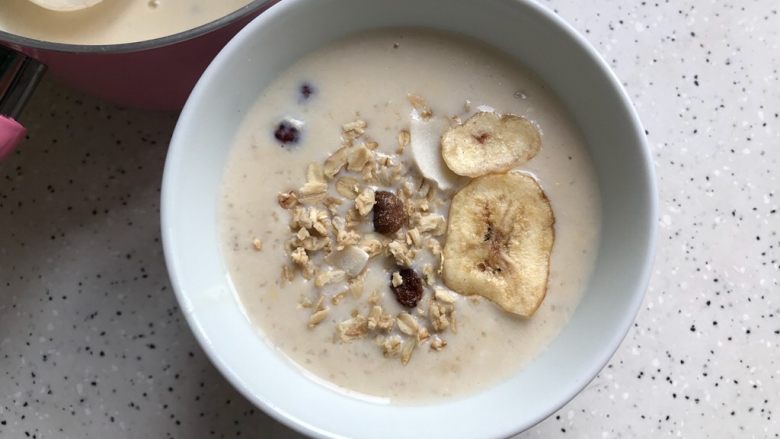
(489, 143)
(499, 241)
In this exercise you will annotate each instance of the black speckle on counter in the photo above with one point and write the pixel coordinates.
(91, 338)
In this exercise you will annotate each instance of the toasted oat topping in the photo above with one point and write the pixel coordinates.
(328, 277)
(353, 130)
(331, 247)
(404, 139)
(421, 106)
(365, 201)
(355, 286)
(337, 298)
(257, 244)
(413, 238)
(359, 158)
(317, 317)
(403, 255)
(407, 324)
(348, 187)
(335, 162)
(299, 256)
(391, 346)
(428, 274)
(305, 302)
(436, 224)
(443, 295)
(352, 328)
(396, 279)
(287, 200)
(407, 349)
(437, 343)
(372, 245)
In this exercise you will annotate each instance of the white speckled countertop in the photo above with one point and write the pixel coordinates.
(92, 344)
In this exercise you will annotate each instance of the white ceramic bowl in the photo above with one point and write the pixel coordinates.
(523, 30)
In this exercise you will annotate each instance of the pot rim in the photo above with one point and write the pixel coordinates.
(136, 46)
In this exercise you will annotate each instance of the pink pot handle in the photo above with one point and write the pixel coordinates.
(18, 77)
(11, 133)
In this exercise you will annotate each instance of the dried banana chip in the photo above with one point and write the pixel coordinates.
(499, 241)
(489, 143)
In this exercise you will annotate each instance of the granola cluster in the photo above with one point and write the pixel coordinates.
(361, 205)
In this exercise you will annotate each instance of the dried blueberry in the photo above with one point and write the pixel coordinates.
(307, 90)
(287, 133)
(410, 291)
(389, 213)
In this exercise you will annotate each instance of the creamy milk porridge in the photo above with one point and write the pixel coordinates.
(112, 21)
(365, 82)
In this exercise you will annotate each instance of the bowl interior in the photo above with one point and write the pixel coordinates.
(524, 31)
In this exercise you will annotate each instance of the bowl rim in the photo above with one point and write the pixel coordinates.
(610, 346)
(136, 46)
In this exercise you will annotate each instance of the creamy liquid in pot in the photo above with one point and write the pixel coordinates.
(367, 74)
(112, 21)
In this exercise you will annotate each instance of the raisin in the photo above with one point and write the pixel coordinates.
(389, 213)
(287, 133)
(306, 90)
(410, 291)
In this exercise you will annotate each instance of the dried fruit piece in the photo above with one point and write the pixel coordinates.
(287, 132)
(410, 291)
(389, 213)
(499, 241)
(489, 143)
(306, 90)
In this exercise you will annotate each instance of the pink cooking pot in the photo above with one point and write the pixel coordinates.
(153, 74)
